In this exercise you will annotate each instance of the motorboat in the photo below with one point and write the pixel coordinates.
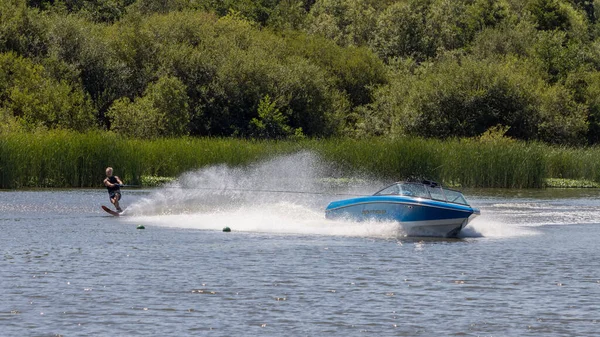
(421, 208)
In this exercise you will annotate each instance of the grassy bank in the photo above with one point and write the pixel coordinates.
(67, 159)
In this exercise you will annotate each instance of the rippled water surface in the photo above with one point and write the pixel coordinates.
(527, 267)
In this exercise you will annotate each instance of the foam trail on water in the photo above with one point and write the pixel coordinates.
(278, 218)
(287, 194)
(486, 226)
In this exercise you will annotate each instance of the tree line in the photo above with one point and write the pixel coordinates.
(527, 69)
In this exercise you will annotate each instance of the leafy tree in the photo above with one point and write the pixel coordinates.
(487, 13)
(505, 39)
(146, 7)
(161, 112)
(8, 122)
(22, 30)
(108, 11)
(265, 68)
(586, 89)
(134, 119)
(271, 123)
(401, 31)
(556, 55)
(562, 120)
(197, 72)
(588, 7)
(355, 70)
(135, 48)
(54, 105)
(288, 15)
(593, 119)
(549, 15)
(228, 76)
(258, 11)
(448, 23)
(313, 102)
(453, 25)
(36, 100)
(347, 22)
(421, 29)
(169, 98)
(464, 98)
(84, 52)
(377, 118)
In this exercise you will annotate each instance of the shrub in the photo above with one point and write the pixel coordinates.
(23, 30)
(161, 112)
(36, 100)
(461, 97)
(271, 123)
(401, 31)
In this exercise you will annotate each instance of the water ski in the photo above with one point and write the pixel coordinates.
(110, 211)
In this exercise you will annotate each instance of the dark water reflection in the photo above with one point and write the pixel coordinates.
(529, 267)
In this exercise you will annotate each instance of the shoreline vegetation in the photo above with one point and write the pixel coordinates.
(471, 93)
(69, 159)
(273, 69)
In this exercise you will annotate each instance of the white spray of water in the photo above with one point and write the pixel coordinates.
(283, 218)
(487, 226)
(287, 194)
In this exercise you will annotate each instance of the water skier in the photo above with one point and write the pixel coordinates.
(113, 184)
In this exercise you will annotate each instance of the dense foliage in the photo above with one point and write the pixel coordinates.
(296, 68)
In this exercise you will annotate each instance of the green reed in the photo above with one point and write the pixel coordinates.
(68, 159)
(573, 163)
(456, 162)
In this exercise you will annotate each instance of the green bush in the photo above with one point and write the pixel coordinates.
(549, 15)
(355, 71)
(401, 31)
(347, 22)
(22, 30)
(36, 100)
(161, 112)
(270, 122)
(461, 97)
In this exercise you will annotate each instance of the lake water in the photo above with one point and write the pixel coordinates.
(527, 267)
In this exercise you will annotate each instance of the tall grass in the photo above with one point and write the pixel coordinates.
(68, 159)
(573, 163)
(458, 162)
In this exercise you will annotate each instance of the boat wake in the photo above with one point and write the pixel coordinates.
(287, 194)
(280, 218)
(487, 226)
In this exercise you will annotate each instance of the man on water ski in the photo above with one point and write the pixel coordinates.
(113, 184)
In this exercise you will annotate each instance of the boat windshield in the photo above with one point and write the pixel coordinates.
(414, 190)
(456, 197)
(394, 189)
(408, 189)
(419, 190)
(436, 193)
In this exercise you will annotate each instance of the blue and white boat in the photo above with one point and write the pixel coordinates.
(421, 208)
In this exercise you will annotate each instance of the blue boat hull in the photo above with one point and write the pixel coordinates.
(416, 216)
